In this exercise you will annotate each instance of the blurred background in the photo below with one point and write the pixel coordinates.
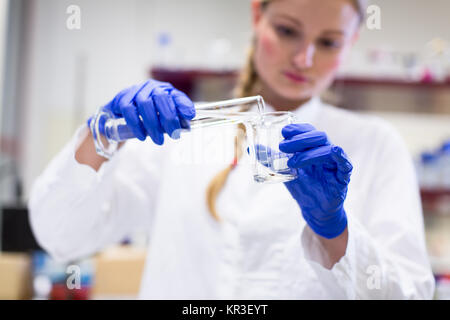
(53, 76)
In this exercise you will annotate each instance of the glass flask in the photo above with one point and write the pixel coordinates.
(263, 133)
(263, 138)
(217, 113)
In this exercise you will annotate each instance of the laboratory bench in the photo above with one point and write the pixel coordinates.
(436, 210)
(113, 274)
(116, 272)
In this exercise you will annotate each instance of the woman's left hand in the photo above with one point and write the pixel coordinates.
(323, 176)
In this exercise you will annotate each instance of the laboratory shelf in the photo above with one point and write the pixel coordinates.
(436, 201)
(349, 92)
(191, 74)
(391, 82)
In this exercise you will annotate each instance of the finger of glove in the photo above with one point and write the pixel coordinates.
(151, 84)
(310, 157)
(165, 107)
(330, 165)
(304, 141)
(184, 123)
(149, 116)
(185, 108)
(159, 84)
(88, 122)
(183, 104)
(296, 128)
(130, 113)
(113, 104)
(344, 167)
(123, 98)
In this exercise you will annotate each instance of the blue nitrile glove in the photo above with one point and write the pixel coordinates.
(152, 109)
(323, 176)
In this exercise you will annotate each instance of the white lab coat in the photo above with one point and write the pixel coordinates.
(262, 248)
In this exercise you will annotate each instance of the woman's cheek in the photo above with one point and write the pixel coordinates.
(269, 47)
(330, 66)
(326, 69)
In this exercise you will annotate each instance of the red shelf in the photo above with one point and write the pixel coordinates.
(434, 193)
(356, 81)
(436, 201)
(191, 74)
(185, 80)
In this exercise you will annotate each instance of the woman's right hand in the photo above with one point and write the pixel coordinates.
(152, 109)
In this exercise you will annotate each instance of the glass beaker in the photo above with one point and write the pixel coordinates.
(263, 137)
(108, 131)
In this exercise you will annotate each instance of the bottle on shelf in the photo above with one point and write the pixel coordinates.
(428, 170)
(444, 165)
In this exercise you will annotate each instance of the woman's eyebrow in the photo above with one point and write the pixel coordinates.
(335, 32)
(288, 17)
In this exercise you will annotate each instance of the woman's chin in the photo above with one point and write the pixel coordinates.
(297, 95)
(286, 94)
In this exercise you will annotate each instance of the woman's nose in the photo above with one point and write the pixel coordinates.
(304, 57)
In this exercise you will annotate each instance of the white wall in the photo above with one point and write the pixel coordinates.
(421, 132)
(100, 55)
(3, 24)
(407, 25)
(71, 73)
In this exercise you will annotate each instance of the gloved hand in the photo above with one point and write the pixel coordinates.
(152, 109)
(323, 176)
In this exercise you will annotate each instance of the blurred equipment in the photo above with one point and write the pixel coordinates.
(433, 169)
(16, 232)
(113, 274)
(61, 281)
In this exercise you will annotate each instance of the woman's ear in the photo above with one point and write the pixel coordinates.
(256, 12)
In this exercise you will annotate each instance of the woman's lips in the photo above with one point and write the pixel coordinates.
(295, 77)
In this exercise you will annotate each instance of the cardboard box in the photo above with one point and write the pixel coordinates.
(118, 272)
(15, 276)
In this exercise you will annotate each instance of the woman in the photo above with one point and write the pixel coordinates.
(319, 236)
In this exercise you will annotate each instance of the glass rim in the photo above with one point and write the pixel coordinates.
(275, 117)
(277, 113)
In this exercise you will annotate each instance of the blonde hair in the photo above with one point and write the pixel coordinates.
(244, 88)
(248, 86)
